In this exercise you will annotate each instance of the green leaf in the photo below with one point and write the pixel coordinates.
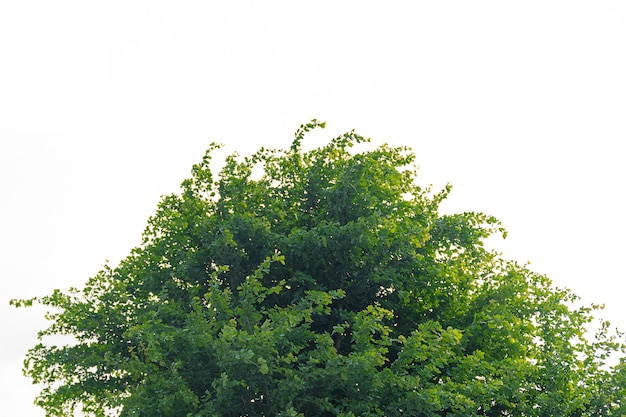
(330, 284)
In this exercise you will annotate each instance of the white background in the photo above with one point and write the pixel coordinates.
(104, 107)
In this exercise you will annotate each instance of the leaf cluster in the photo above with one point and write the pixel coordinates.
(330, 285)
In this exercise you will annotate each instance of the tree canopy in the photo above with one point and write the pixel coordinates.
(328, 285)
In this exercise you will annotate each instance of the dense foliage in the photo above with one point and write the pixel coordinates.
(330, 285)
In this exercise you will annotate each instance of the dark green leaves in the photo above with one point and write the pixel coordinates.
(328, 285)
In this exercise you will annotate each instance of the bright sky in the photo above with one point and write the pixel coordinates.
(104, 106)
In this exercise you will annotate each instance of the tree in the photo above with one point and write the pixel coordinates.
(329, 286)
